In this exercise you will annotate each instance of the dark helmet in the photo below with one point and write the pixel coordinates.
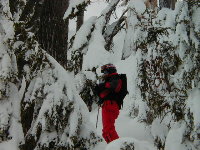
(108, 68)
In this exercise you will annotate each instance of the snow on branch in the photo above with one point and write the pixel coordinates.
(75, 7)
(113, 29)
(106, 13)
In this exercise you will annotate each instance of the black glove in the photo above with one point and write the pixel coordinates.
(96, 90)
(101, 86)
(100, 102)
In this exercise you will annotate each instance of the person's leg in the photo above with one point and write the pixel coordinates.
(114, 112)
(106, 123)
(110, 112)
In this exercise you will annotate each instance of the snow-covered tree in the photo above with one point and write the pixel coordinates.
(46, 20)
(52, 29)
(10, 118)
(167, 71)
(94, 36)
(40, 106)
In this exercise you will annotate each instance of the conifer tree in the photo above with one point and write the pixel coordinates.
(78, 49)
(53, 30)
(40, 108)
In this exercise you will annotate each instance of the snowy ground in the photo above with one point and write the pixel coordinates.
(127, 128)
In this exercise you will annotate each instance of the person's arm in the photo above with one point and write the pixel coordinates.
(100, 91)
(99, 88)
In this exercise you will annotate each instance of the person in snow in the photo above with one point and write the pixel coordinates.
(107, 92)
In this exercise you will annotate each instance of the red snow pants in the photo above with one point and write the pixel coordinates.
(110, 112)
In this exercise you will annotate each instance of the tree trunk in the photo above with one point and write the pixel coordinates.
(53, 30)
(80, 20)
(173, 4)
(168, 4)
(152, 4)
(165, 3)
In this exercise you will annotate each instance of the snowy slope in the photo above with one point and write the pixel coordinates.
(129, 130)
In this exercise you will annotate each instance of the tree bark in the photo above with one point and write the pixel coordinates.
(168, 4)
(151, 4)
(173, 4)
(80, 20)
(165, 3)
(53, 30)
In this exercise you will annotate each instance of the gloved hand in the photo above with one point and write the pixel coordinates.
(96, 90)
(100, 102)
(101, 86)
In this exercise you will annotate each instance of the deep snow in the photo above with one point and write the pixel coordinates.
(128, 130)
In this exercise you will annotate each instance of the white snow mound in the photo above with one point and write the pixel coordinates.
(129, 143)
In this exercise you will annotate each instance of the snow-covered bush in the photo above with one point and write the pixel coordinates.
(57, 114)
(9, 98)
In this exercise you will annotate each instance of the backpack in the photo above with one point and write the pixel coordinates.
(123, 92)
